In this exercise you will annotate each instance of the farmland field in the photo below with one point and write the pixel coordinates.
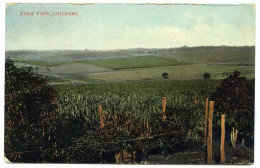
(182, 72)
(139, 104)
(136, 62)
(133, 69)
(110, 102)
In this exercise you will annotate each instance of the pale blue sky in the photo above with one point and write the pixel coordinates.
(115, 26)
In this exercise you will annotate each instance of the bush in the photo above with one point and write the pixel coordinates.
(235, 98)
(165, 75)
(206, 75)
(30, 114)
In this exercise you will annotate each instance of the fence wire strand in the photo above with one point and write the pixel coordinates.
(94, 143)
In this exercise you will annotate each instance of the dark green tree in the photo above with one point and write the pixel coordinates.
(235, 98)
(30, 114)
(165, 75)
(206, 75)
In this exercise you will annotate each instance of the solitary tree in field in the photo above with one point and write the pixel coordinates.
(206, 75)
(223, 74)
(165, 75)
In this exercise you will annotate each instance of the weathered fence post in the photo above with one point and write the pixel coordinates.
(164, 108)
(209, 139)
(100, 117)
(222, 145)
(206, 122)
(147, 127)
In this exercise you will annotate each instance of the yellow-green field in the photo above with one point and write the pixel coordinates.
(88, 72)
(183, 72)
(136, 62)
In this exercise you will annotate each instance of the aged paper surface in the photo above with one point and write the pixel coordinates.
(129, 83)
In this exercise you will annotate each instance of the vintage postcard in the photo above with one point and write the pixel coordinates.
(129, 83)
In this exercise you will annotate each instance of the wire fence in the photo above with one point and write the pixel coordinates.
(91, 144)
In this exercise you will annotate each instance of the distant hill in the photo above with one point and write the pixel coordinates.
(212, 55)
(243, 55)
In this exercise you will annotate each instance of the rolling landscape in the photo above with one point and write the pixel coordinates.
(127, 86)
(183, 63)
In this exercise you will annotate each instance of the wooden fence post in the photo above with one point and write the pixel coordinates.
(209, 139)
(100, 117)
(222, 145)
(164, 108)
(147, 127)
(206, 122)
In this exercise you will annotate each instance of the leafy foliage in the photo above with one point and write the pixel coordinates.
(165, 75)
(206, 75)
(30, 113)
(235, 98)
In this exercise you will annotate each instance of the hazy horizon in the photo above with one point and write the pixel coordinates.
(119, 49)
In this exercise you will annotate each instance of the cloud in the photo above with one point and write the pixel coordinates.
(197, 18)
(148, 37)
(198, 30)
(107, 27)
(168, 36)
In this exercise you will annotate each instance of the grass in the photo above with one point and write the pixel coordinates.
(213, 55)
(184, 72)
(140, 68)
(41, 63)
(135, 62)
(117, 63)
(77, 69)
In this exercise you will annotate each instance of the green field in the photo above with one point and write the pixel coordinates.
(40, 63)
(114, 63)
(140, 64)
(213, 55)
(136, 62)
(138, 103)
(184, 72)
(236, 55)
(134, 69)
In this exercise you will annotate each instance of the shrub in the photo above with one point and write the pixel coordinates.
(30, 113)
(165, 75)
(206, 75)
(235, 98)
